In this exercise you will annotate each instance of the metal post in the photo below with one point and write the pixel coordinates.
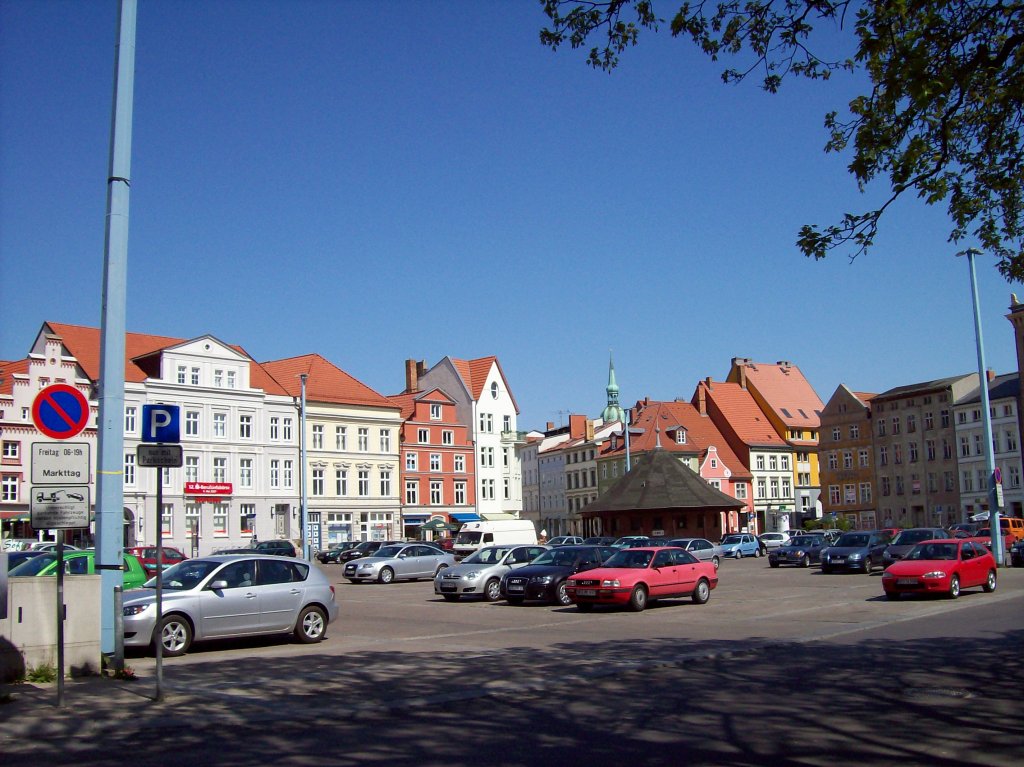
(302, 470)
(109, 479)
(158, 628)
(60, 619)
(990, 461)
(119, 628)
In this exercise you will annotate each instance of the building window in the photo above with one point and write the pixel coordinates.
(787, 489)
(435, 412)
(447, 437)
(977, 444)
(897, 454)
(435, 493)
(218, 379)
(220, 520)
(487, 457)
(968, 481)
(11, 450)
(363, 440)
(247, 518)
(836, 434)
(507, 489)
(167, 518)
(460, 493)
(911, 423)
(741, 491)
(863, 455)
(10, 488)
(364, 483)
(423, 436)
(435, 462)
(762, 488)
(847, 459)
(854, 431)
(341, 482)
(129, 468)
(886, 488)
(1011, 441)
(245, 472)
(130, 423)
(929, 421)
(275, 473)
(220, 469)
(220, 424)
(288, 479)
(245, 427)
(231, 379)
(487, 489)
(317, 486)
(833, 495)
(895, 424)
(340, 438)
(929, 449)
(460, 463)
(275, 427)
(775, 487)
(411, 492)
(759, 461)
(680, 436)
(784, 462)
(286, 429)
(833, 461)
(865, 492)
(1014, 475)
(881, 427)
(385, 482)
(385, 440)
(192, 468)
(318, 436)
(506, 457)
(191, 423)
(410, 461)
(192, 519)
(195, 376)
(182, 373)
(912, 449)
(944, 419)
(486, 423)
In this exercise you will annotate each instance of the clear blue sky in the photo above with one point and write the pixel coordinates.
(382, 181)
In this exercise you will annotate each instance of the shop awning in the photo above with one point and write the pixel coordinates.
(466, 517)
(437, 524)
(415, 517)
(14, 516)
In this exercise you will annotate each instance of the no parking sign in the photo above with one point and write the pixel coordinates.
(60, 411)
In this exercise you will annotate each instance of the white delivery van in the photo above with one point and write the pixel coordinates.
(476, 535)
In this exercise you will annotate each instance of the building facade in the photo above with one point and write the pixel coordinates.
(847, 452)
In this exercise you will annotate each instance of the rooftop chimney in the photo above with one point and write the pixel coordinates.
(412, 380)
(702, 398)
(577, 426)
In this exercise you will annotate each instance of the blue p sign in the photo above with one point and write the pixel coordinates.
(160, 423)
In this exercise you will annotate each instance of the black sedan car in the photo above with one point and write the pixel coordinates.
(1017, 554)
(331, 553)
(907, 539)
(364, 549)
(859, 551)
(544, 578)
(802, 550)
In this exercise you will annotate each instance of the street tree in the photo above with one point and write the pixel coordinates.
(942, 118)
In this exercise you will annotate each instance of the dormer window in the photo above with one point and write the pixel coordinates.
(680, 436)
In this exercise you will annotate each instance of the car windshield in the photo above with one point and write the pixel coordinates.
(185, 575)
(388, 552)
(732, 539)
(468, 538)
(929, 551)
(807, 540)
(908, 537)
(635, 559)
(33, 566)
(558, 557)
(488, 556)
(853, 540)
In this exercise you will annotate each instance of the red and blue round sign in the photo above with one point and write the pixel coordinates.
(60, 411)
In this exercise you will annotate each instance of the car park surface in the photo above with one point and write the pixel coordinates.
(633, 577)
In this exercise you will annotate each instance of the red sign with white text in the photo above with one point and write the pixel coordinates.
(208, 488)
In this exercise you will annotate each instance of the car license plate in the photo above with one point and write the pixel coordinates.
(447, 587)
(906, 581)
(515, 587)
(586, 592)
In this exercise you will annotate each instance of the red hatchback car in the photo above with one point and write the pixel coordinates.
(147, 556)
(633, 577)
(941, 567)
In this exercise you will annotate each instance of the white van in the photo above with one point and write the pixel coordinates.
(476, 535)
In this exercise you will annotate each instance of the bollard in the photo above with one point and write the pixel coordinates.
(118, 662)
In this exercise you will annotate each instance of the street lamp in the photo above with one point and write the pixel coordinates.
(990, 461)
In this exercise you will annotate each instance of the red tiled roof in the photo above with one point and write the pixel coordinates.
(407, 400)
(474, 374)
(325, 382)
(741, 411)
(406, 403)
(864, 396)
(7, 373)
(787, 392)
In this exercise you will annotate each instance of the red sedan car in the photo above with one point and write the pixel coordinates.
(147, 556)
(633, 577)
(941, 567)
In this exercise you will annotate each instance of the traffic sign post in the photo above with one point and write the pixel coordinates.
(60, 411)
(160, 423)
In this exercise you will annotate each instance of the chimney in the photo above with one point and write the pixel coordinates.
(590, 430)
(743, 375)
(412, 381)
(702, 398)
(577, 426)
(550, 426)
(991, 374)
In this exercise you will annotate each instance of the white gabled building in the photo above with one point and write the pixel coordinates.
(485, 403)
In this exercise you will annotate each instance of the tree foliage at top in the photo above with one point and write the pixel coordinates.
(942, 119)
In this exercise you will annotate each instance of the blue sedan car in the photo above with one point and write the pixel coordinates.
(741, 545)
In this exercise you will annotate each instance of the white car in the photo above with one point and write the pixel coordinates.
(774, 540)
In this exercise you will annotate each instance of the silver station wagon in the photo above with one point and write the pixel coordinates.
(479, 574)
(226, 596)
(400, 561)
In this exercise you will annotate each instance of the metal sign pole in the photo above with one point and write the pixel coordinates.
(60, 619)
(158, 629)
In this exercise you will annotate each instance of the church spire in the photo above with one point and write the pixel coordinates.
(613, 411)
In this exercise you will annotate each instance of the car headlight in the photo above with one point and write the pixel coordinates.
(935, 574)
(541, 579)
(134, 610)
(615, 583)
(887, 575)
(472, 576)
(799, 553)
(365, 567)
(856, 556)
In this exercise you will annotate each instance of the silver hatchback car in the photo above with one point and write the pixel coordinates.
(227, 596)
(479, 574)
(399, 561)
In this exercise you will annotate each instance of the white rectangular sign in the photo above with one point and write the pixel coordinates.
(60, 463)
(59, 508)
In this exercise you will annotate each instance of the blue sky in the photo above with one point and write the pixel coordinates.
(382, 181)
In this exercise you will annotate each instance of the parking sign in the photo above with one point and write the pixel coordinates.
(160, 423)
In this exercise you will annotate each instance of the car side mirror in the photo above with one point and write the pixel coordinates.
(218, 585)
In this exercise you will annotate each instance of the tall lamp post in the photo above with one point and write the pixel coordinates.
(990, 461)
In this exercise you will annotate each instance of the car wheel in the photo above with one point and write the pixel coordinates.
(773, 563)
(451, 597)
(990, 582)
(584, 607)
(825, 570)
(715, 561)
(311, 625)
(514, 600)
(492, 590)
(702, 593)
(561, 595)
(386, 575)
(806, 561)
(757, 552)
(638, 599)
(954, 587)
(175, 634)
